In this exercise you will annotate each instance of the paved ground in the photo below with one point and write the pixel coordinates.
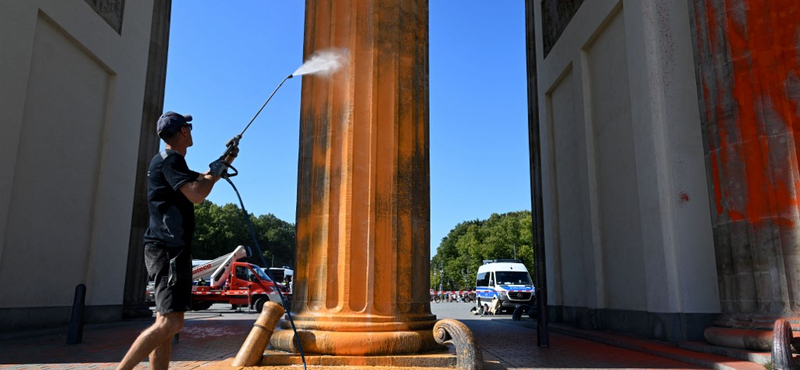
(213, 337)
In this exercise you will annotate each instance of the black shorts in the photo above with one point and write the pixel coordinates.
(171, 270)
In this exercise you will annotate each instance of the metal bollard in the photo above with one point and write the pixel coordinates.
(75, 331)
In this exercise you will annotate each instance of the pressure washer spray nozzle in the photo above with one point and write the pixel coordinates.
(290, 76)
(234, 141)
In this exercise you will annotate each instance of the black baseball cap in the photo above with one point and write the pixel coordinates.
(172, 122)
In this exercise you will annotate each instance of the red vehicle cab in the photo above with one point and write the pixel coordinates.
(234, 282)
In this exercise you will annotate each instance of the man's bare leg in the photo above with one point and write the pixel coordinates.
(159, 358)
(154, 338)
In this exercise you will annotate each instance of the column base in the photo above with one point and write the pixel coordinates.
(356, 343)
(748, 332)
(753, 340)
(443, 360)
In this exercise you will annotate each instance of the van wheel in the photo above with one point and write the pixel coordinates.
(519, 311)
(259, 305)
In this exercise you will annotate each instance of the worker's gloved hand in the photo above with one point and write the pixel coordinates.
(218, 168)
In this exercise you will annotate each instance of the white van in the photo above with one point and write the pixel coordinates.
(281, 274)
(506, 279)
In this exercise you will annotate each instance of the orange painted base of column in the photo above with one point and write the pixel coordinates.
(435, 360)
(356, 343)
(358, 334)
(275, 360)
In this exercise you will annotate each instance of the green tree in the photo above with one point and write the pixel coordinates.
(465, 248)
(277, 239)
(443, 270)
(220, 229)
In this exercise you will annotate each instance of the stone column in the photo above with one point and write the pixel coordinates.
(363, 213)
(133, 304)
(748, 71)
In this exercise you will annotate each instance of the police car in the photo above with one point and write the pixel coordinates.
(149, 293)
(507, 280)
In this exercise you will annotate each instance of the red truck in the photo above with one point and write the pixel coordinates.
(226, 280)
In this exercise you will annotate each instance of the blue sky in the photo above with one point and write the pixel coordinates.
(225, 60)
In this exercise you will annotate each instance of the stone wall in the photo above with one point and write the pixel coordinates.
(556, 15)
(69, 64)
(629, 244)
(110, 10)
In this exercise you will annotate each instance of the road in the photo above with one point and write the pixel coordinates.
(452, 310)
(213, 336)
(458, 311)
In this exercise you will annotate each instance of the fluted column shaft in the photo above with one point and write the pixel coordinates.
(363, 213)
(748, 56)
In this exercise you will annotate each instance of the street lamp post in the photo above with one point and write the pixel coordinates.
(441, 278)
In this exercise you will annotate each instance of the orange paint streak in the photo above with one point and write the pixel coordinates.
(762, 40)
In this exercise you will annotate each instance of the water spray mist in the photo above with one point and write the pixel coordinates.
(322, 63)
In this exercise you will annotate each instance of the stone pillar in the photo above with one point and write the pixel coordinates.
(748, 72)
(363, 212)
(133, 304)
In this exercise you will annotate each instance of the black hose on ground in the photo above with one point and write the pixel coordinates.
(264, 262)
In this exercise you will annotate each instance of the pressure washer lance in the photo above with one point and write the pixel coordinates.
(220, 168)
(221, 165)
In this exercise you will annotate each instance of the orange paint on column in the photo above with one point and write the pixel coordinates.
(761, 41)
(358, 228)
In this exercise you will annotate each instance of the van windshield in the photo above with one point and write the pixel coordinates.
(513, 278)
(261, 274)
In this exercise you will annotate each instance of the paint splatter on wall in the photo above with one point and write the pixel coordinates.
(749, 55)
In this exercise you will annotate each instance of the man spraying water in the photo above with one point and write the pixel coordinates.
(172, 189)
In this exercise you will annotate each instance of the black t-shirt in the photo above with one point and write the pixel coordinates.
(171, 213)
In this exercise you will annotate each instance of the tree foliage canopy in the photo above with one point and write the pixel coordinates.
(463, 250)
(220, 229)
